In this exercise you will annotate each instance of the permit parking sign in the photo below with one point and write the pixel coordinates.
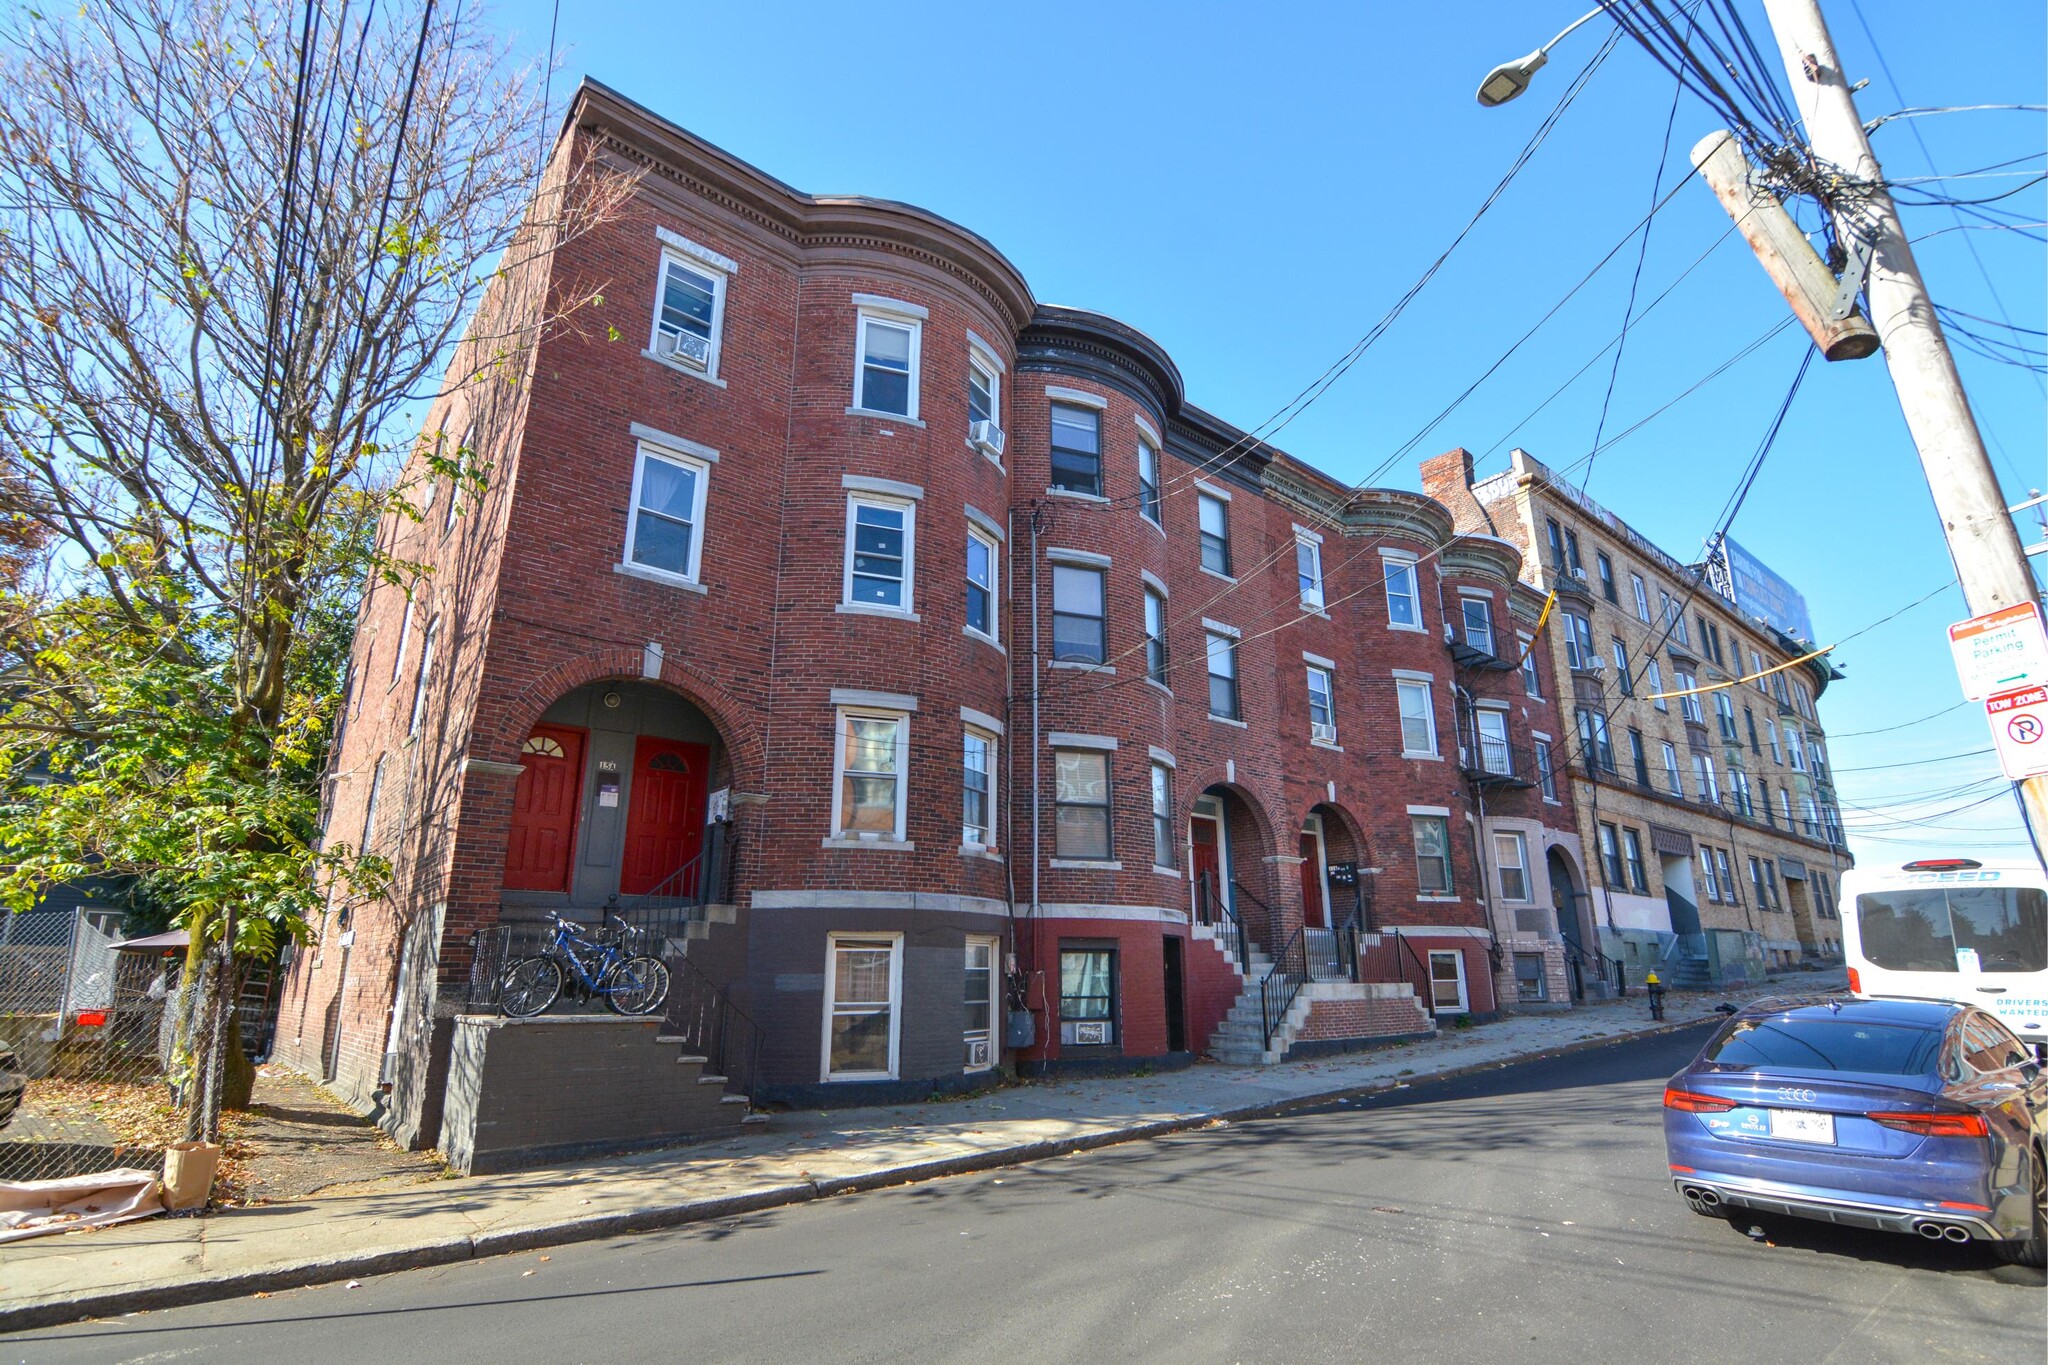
(2019, 730)
(2000, 650)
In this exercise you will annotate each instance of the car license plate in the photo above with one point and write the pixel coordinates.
(1802, 1125)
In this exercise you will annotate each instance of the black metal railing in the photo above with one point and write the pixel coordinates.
(1282, 984)
(1332, 954)
(1394, 961)
(1214, 909)
(1487, 760)
(703, 1016)
(1579, 960)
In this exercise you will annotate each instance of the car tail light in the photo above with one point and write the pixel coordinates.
(1855, 982)
(1934, 1125)
(1694, 1103)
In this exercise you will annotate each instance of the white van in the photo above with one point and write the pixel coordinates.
(1952, 929)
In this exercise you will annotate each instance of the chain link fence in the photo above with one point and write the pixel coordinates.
(87, 1028)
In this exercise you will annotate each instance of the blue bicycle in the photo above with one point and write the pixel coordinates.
(596, 962)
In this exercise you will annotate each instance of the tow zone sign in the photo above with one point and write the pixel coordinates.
(2019, 729)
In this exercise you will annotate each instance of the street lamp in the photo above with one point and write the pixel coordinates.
(1510, 79)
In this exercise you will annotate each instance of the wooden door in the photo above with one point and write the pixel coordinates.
(664, 816)
(1315, 899)
(1206, 865)
(545, 807)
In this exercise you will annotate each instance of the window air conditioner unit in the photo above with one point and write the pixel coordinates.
(1596, 664)
(1579, 574)
(687, 347)
(987, 436)
(1322, 730)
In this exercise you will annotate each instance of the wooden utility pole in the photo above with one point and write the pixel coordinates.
(1981, 538)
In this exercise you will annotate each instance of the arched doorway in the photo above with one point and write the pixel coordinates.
(1565, 896)
(613, 797)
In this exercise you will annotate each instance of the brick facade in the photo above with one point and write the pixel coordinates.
(540, 615)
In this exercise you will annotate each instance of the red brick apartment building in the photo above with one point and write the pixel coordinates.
(1035, 718)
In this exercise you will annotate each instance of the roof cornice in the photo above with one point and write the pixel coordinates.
(806, 221)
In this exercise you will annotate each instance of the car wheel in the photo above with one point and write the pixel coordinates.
(2033, 1250)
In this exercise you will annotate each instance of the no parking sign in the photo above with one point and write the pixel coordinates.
(2019, 729)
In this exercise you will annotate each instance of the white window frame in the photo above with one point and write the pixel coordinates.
(1449, 890)
(1532, 676)
(468, 443)
(419, 687)
(1795, 749)
(1674, 772)
(1163, 675)
(993, 747)
(1515, 839)
(1162, 816)
(701, 471)
(977, 536)
(1148, 458)
(1496, 714)
(1404, 684)
(907, 506)
(1222, 642)
(1724, 716)
(1313, 595)
(871, 314)
(832, 941)
(1207, 497)
(1322, 732)
(1464, 1005)
(985, 366)
(991, 1037)
(1484, 601)
(1642, 592)
(1689, 704)
(1546, 769)
(840, 833)
(405, 641)
(1654, 671)
(1400, 564)
(705, 263)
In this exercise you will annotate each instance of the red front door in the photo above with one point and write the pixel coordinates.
(1207, 866)
(545, 805)
(664, 816)
(1315, 910)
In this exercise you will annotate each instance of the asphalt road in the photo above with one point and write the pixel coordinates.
(1520, 1214)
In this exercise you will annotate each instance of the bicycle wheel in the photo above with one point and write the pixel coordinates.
(638, 985)
(529, 986)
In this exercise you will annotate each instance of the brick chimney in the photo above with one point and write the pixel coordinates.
(1448, 479)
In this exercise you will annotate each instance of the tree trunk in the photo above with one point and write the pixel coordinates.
(238, 1073)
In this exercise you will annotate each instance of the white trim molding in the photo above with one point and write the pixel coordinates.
(1063, 739)
(682, 445)
(881, 701)
(888, 488)
(1083, 398)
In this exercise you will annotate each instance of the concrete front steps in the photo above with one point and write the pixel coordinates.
(1323, 1011)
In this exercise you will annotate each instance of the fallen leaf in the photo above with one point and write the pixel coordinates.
(524, 1273)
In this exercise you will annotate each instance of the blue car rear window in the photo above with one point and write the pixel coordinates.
(1827, 1045)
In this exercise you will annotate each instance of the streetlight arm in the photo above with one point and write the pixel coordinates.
(1510, 79)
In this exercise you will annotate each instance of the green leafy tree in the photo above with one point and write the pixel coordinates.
(241, 247)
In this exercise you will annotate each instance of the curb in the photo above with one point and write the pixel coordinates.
(450, 1250)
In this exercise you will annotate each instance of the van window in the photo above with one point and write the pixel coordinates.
(1922, 929)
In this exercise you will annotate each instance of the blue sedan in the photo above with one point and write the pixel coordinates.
(1911, 1116)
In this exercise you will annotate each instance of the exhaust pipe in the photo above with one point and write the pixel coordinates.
(1710, 1198)
(1942, 1232)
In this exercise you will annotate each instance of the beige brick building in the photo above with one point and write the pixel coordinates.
(1708, 816)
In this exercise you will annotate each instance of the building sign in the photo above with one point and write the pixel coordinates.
(2019, 730)
(1763, 594)
(2000, 650)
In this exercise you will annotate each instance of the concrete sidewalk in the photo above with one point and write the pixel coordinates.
(805, 1155)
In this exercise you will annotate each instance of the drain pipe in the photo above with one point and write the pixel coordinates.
(1037, 747)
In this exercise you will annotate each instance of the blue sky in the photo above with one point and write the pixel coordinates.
(1254, 185)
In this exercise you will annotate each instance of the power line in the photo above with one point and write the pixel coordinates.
(1919, 762)
(1903, 725)
(1636, 279)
